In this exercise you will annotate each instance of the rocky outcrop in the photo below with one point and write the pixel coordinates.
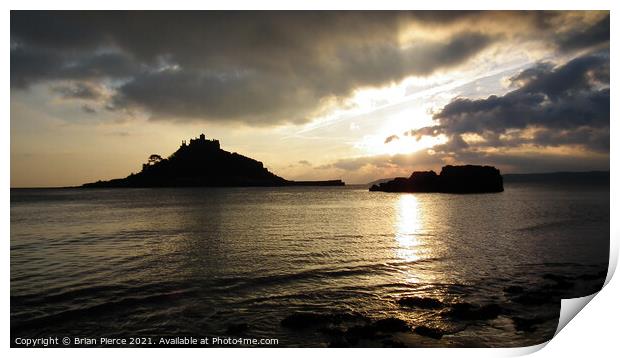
(452, 179)
(203, 163)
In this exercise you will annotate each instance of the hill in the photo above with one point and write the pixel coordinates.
(203, 163)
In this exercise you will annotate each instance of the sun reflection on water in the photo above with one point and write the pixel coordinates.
(408, 227)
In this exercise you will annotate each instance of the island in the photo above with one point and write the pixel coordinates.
(460, 179)
(202, 163)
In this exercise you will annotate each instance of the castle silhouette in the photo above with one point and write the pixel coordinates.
(202, 140)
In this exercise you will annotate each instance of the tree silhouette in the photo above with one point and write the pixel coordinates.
(154, 159)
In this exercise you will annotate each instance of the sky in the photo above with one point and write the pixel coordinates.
(352, 95)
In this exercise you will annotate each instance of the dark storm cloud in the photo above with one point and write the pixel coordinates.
(245, 96)
(272, 95)
(194, 34)
(31, 65)
(266, 67)
(590, 36)
(255, 67)
(562, 105)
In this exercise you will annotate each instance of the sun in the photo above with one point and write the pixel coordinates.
(391, 138)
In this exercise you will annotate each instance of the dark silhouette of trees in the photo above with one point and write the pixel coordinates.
(154, 159)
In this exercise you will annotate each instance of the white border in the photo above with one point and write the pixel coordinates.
(594, 328)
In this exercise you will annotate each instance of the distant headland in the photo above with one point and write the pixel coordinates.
(202, 162)
(462, 179)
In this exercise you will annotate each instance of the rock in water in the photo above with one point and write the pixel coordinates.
(462, 179)
(470, 179)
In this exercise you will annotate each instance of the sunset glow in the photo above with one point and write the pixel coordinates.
(372, 87)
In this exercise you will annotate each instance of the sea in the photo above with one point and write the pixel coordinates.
(303, 266)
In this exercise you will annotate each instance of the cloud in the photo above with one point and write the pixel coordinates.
(260, 68)
(553, 106)
(31, 65)
(273, 96)
(555, 118)
(88, 109)
(79, 90)
(588, 36)
(535, 161)
(402, 162)
(369, 168)
(391, 138)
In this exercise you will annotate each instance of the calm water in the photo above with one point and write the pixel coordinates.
(171, 262)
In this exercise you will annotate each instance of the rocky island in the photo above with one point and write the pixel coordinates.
(202, 162)
(461, 179)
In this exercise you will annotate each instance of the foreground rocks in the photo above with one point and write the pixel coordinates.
(452, 179)
(470, 312)
(423, 321)
(430, 332)
(305, 320)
